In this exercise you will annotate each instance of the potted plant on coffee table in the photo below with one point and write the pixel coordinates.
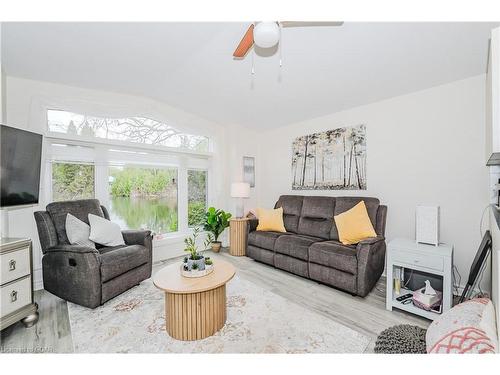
(215, 222)
(195, 260)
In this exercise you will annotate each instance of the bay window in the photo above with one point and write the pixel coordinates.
(148, 174)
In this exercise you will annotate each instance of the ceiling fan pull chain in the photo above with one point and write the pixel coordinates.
(280, 46)
(253, 67)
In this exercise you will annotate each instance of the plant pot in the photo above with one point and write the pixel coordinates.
(199, 262)
(216, 245)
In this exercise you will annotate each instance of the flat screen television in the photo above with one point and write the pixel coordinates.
(20, 162)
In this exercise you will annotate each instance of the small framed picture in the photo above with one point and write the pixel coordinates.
(249, 170)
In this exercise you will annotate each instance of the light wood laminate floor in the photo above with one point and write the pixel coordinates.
(366, 315)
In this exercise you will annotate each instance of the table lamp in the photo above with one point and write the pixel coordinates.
(240, 190)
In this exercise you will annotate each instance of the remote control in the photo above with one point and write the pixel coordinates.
(403, 297)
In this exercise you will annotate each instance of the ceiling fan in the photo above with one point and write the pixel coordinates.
(267, 34)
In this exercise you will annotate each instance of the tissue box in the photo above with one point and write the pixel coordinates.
(427, 301)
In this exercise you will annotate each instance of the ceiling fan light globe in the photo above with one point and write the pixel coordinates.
(266, 34)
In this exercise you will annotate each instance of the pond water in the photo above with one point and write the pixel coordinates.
(156, 214)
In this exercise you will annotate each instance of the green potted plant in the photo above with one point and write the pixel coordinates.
(195, 260)
(215, 222)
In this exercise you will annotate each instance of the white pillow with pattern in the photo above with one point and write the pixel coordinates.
(467, 328)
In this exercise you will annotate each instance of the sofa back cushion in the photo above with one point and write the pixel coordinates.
(316, 218)
(292, 207)
(343, 204)
(79, 208)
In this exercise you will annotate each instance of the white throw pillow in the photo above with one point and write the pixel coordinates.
(105, 232)
(78, 232)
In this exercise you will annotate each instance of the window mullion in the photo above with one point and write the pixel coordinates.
(182, 196)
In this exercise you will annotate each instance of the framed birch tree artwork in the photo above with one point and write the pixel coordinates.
(330, 160)
(249, 170)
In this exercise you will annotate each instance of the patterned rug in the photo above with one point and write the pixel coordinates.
(258, 321)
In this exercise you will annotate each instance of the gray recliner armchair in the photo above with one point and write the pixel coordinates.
(84, 275)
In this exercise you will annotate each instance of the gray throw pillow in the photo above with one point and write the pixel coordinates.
(78, 232)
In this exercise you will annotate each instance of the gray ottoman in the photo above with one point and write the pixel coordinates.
(401, 339)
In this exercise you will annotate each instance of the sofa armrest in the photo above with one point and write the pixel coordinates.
(252, 224)
(138, 237)
(371, 262)
(370, 241)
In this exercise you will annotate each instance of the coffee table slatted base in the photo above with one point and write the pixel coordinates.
(194, 316)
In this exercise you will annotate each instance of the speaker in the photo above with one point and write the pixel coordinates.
(427, 225)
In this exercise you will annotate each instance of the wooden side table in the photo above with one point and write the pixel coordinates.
(238, 236)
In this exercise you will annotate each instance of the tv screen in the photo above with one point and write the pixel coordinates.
(20, 158)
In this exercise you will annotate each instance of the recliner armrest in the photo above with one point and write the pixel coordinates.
(72, 249)
(137, 237)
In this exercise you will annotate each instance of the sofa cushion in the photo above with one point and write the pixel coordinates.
(264, 240)
(119, 260)
(331, 276)
(292, 207)
(260, 255)
(342, 204)
(316, 218)
(293, 265)
(334, 254)
(296, 246)
(79, 209)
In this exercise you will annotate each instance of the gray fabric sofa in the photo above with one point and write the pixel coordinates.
(311, 248)
(84, 275)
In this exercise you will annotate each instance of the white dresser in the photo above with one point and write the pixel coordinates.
(16, 283)
(434, 261)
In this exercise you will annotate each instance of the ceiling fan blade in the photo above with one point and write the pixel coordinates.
(245, 44)
(310, 23)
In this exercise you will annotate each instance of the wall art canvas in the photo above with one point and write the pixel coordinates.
(249, 170)
(330, 160)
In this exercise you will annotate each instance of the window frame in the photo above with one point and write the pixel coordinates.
(186, 160)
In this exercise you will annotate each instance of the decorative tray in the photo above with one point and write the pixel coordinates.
(196, 273)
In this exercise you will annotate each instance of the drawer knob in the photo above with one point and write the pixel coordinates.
(12, 265)
(416, 260)
(13, 296)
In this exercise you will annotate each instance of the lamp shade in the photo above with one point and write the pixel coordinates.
(240, 190)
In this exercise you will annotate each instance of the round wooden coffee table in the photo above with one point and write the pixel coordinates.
(195, 308)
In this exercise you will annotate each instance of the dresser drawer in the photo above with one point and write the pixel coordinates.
(15, 295)
(14, 264)
(423, 260)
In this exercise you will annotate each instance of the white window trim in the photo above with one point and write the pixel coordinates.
(101, 164)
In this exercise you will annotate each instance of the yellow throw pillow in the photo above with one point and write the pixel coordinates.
(354, 225)
(271, 220)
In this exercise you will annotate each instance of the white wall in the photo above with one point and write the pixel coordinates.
(423, 148)
(26, 104)
(1, 78)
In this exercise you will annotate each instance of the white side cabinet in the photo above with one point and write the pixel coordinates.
(16, 283)
(405, 256)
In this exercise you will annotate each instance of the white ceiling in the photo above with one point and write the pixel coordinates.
(190, 65)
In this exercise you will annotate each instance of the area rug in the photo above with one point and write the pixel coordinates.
(258, 321)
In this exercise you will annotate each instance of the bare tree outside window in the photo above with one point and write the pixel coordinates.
(130, 129)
